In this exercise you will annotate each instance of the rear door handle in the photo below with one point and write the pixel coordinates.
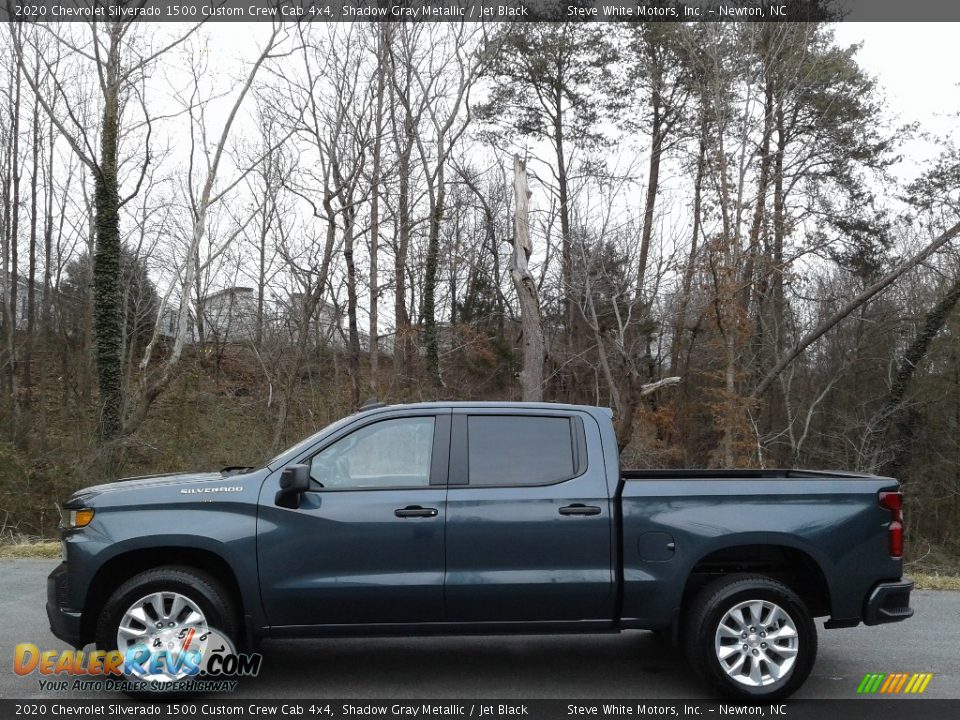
(580, 509)
(415, 511)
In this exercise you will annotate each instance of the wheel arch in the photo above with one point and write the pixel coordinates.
(126, 564)
(793, 566)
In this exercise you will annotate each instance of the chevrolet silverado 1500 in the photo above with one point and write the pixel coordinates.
(487, 518)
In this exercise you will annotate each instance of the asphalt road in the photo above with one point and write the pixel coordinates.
(631, 665)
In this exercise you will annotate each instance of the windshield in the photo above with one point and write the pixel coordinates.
(295, 450)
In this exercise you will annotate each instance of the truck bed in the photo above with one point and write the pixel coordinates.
(680, 521)
(700, 474)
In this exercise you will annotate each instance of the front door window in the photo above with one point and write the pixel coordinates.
(392, 453)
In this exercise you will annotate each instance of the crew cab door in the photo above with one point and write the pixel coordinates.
(366, 544)
(528, 519)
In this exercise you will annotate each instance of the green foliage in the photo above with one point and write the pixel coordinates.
(939, 186)
(546, 76)
(832, 133)
(651, 64)
(859, 241)
(139, 299)
(478, 306)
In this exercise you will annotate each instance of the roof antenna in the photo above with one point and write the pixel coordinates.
(372, 404)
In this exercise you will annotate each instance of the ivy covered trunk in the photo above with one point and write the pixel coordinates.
(106, 263)
(431, 333)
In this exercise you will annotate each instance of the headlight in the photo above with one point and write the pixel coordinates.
(73, 519)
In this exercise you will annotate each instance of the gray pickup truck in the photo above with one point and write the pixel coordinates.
(455, 518)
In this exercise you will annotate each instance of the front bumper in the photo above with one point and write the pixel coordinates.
(888, 602)
(65, 622)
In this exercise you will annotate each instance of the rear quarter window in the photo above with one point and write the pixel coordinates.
(521, 450)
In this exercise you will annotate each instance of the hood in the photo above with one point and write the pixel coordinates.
(81, 497)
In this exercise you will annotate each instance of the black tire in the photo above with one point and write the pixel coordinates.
(200, 587)
(702, 623)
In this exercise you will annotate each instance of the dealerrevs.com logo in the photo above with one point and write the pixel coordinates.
(202, 663)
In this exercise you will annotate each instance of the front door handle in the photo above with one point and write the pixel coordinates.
(415, 511)
(580, 509)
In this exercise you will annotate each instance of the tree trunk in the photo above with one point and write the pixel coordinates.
(32, 263)
(566, 252)
(262, 256)
(353, 349)
(933, 323)
(401, 318)
(653, 181)
(87, 372)
(763, 181)
(13, 275)
(773, 320)
(374, 383)
(6, 321)
(531, 374)
(46, 331)
(727, 308)
(681, 322)
(432, 342)
(106, 264)
(6, 167)
(779, 231)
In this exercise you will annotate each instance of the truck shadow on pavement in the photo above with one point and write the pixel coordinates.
(523, 667)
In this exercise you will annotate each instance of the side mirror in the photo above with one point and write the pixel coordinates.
(294, 481)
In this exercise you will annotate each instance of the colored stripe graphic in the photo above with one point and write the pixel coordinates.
(870, 683)
(900, 683)
(888, 682)
(894, 683)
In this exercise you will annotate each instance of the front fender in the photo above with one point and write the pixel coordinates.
(118, 544)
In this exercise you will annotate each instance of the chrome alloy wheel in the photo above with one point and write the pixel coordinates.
(757, 643)
(163, 621)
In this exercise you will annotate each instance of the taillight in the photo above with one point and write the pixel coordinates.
(893, 501)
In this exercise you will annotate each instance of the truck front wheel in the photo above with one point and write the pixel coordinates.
(750, 637)
(165, 610)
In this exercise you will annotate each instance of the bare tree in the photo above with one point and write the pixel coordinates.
(445, 94)
(152, 384)
(531, 373)
(376, 169)
(11, 234)
(119, 65)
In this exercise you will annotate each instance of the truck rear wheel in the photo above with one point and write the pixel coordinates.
(165, 608)
(750, 637)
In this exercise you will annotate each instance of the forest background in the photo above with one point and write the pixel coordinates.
(725, 232)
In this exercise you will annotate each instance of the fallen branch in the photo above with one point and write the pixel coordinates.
(654, 386)
(861, 299)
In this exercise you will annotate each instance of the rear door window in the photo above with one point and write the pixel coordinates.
(521, 450)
